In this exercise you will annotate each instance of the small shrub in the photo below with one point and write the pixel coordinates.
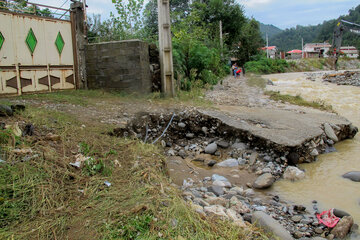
(267, 66)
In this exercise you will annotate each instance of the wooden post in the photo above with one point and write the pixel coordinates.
(165, 48)
(79, 42)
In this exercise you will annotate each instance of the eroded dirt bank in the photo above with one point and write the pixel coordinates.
(220, 156)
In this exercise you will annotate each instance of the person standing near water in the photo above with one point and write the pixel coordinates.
(235, 69)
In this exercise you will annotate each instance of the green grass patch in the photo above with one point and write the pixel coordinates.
(46, 198)
(298, 100)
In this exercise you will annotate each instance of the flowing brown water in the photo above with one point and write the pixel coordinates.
(323, 181)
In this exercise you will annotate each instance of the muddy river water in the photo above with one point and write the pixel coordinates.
(323, 181)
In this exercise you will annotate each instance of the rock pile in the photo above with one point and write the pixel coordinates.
(345, 78)
(222, 200)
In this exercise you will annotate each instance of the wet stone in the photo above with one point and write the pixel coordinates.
(217, 190)
(223, 144)
(211, 148)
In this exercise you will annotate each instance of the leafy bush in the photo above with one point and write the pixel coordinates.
(267, 66)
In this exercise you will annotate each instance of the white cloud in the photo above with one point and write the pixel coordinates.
(255, 3)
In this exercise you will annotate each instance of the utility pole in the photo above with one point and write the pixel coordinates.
(267, 46)
(302, 47)
(221, 39)
(165, 48)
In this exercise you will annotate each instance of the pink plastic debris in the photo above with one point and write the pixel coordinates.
(328, 218)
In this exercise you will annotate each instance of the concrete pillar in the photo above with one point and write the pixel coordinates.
(79, 42)
(165, 48)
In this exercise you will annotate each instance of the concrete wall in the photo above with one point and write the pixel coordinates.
(121, 65)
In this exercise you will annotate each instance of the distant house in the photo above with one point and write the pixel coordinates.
(272, 51)
(317, 50)
(294, 54)
(350, 51)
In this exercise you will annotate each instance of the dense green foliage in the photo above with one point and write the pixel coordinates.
(269, 29)
(265, 65)
(291, 38)
(198, 54)
(22, 6)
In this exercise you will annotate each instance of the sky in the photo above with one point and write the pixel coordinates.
(280, 13)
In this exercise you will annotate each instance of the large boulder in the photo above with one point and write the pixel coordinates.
(228, 163)
(329, 131)
(293, 173)
(343, 227)
(269, 224)
(354, 176)
(264, 181)
(211, 148)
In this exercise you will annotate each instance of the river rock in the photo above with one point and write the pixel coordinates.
(211, 148)
(249, 192)
(314, 152)
(190, 135)
(223, 144)
(342, 228)
(296, 218)
(238, 206)
(239, 146)
(182, 153)
(217, 190)
(329, 131)
(340, 213)
(211, 163)
(181, 124)
(253, 158)
(215, 211)
(264, 181)
(354, 176)
(266, 222)
(293, 158)
(228, 163)
(221, 183)
(5, 111)
(293, 173)
(215, 177)
(238, 190)
(236, 218)
(216, 201)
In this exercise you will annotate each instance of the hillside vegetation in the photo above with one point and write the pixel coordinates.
(291, 38)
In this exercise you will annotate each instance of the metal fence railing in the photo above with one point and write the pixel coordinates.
(35, 9)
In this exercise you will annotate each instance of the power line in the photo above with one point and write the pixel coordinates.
(62, 5)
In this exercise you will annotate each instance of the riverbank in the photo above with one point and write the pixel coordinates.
(247, 128)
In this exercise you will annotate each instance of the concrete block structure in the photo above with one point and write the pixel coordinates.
(119, 65)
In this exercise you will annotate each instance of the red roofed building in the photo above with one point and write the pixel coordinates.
(272, 51)
(350, 51)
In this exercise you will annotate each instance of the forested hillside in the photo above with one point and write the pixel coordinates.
(291, 38)
(270, 29)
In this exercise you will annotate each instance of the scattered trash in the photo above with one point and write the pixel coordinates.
(15, 129)
(52, 137)
(81, 190)
(29, 130)
(79, 160)
(116, 163)
(328, 218)
(2, 161)
(108, 184)
(22, 151)
(28, 158)
(17, 107)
